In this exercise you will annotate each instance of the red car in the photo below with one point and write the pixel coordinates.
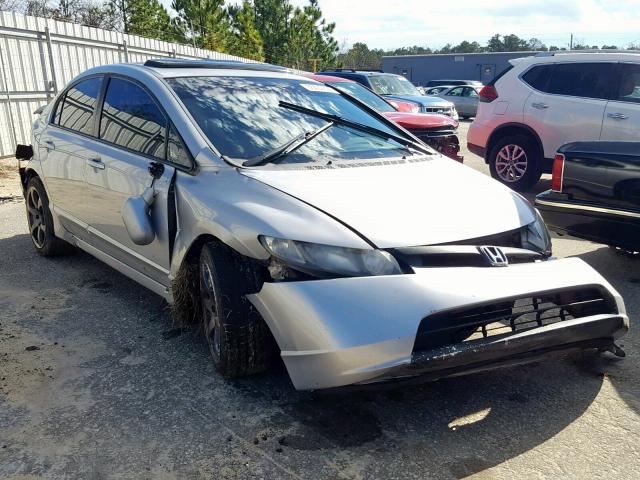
(437, 131)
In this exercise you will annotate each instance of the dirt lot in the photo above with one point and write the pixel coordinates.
(95, 383)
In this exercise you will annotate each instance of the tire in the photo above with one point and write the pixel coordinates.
(516, 161)
(40, 221)
(239, 340)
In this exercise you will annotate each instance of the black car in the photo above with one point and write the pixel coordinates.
(595, 193)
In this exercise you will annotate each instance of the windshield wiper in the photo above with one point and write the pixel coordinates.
(287, 148)
(405, 142)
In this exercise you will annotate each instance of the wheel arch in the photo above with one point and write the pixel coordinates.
(512, 129)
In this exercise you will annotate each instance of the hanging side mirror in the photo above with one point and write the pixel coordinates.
(136, 212)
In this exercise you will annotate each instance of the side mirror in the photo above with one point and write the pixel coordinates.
(137, 221)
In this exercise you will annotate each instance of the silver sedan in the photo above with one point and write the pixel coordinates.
(465, 98)
(286, 217)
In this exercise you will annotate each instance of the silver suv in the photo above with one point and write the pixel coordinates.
(542, 102)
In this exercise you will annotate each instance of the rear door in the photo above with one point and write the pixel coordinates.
(65, 147)
(455, 96)
(133, 132)
(622, 115)
(569, 102)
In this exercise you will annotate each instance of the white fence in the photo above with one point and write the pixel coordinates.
(38, 56)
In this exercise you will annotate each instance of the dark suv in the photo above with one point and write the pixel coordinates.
(396, 87)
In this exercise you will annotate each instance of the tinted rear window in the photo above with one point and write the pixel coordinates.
(588, 80)
(538, 77)
(75, 112)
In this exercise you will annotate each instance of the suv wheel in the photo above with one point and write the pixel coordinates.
(516, 161)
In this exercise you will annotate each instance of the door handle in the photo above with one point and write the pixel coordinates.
(95, 163)
(618, 116)
(539, 105)
(49, 145)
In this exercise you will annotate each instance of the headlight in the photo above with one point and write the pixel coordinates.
(535, 236)
(316, 259)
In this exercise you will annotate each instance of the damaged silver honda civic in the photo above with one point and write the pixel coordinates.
(287, 217)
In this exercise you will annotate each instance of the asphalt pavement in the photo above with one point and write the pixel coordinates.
(96, 383)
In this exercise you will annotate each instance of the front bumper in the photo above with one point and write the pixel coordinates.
(346, 331)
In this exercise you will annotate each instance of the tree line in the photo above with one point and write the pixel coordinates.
(361, 56)
(265, 30)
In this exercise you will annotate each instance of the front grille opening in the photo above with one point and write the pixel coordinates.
(505, 317)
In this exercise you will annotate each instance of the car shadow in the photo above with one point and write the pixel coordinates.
(623, 271)
(155, 380)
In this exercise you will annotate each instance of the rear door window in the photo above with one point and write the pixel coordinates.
(538, 77)
(588, 80)
(75, 111)
(131, 119)
(629, 89)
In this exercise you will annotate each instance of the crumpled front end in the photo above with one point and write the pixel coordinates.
(437, 322)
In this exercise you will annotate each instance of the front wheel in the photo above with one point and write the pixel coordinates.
(238, 338)
(516, 161)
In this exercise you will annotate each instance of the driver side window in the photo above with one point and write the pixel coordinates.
(455, 92)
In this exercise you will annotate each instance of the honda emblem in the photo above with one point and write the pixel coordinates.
(494, 255)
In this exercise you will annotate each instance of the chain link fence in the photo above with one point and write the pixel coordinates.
(38, 56)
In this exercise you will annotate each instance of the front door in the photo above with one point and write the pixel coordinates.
(132, 135)
(572, 106)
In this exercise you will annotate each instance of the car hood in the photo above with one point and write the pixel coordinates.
(422, 100)
(421, 120)
(420, 203)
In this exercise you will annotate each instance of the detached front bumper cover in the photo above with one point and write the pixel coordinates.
(340, 332)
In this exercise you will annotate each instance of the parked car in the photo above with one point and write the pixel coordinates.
(396, 87)
(436, 90)
(595, 193)
(438, 83)
(270, 206)
(437, 131)
(542, 102)
(465, 98)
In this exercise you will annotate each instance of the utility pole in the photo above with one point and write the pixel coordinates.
(315, 63)
(571, 43)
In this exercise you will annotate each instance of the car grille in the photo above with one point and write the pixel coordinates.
(428, 133)
(507, 316)
(448, 111)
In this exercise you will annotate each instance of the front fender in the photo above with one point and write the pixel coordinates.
(236, 209)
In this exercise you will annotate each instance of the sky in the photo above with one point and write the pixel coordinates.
(391, 24)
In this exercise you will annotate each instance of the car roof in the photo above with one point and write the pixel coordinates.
(346, 71)
(579, 56)
(329, 78)
(172, 68)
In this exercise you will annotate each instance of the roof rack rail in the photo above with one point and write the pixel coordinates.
(586, 50)
(205, 63)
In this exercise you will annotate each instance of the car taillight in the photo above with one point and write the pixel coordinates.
(558, 173)
(488, 93)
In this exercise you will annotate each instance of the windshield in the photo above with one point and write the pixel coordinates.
(364, 95)
(243, 118)
(392, 85)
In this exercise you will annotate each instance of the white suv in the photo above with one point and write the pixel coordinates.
(542, 102)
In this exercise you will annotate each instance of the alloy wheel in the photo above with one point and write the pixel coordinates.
(35, 217)
(211, 319)
(511, 163)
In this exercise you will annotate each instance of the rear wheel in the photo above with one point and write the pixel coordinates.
(516, 161)
(40, 221)
(238, 338)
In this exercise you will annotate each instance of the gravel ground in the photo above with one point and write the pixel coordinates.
(95, 383)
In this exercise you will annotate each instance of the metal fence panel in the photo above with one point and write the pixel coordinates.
(39, 56)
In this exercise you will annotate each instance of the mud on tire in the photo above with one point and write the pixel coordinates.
(239, 340)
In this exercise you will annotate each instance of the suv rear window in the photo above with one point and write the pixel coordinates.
(588, 80)
(538, 77)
